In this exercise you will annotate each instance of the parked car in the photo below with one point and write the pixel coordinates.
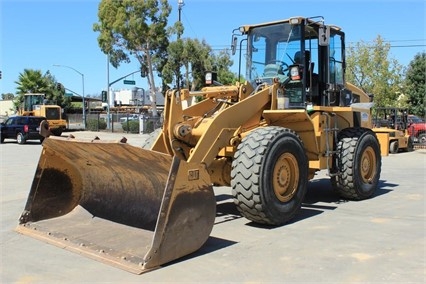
(414, 119)
(21, 128)
(129, 118)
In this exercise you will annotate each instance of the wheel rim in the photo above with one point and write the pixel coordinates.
(285, 177)
(368, 165)
(19, 138)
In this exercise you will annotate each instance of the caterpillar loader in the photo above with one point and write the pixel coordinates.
(38, 105)
(265, 138)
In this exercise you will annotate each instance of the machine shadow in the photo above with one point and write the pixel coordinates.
(320, 197)
(212, 244)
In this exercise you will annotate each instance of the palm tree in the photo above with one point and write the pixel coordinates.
(34, 81)
(31, 81)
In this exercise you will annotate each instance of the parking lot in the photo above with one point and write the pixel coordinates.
(331, 240)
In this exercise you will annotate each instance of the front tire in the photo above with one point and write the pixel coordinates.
(359, 163)
(269, 175)
(393, 147)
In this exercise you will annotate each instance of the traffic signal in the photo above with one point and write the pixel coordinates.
(0, 74)
(143, 71)
(104, 96)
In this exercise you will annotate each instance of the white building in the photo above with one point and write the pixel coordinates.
(7, 108)
(134, 97)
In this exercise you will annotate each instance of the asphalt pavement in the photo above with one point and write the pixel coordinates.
(379, 240)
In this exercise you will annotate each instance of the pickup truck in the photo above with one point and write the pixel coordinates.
(417, 128)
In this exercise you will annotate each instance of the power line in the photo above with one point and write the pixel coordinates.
(411, 45)
(222, 47)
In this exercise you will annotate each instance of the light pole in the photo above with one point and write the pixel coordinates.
(180, 5)
(82, 80)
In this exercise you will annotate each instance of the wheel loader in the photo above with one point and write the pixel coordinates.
(264, 138)
(38, 105)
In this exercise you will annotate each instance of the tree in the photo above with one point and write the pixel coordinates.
(222, 63)
(196, 58)
(7, 96)
(370, 68)
(135, 28)
(56, 92)
(33, 81)
(416, 85)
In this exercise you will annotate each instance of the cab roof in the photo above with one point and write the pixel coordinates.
(298, 19)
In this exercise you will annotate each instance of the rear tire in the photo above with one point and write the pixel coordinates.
(20, 138)
(393, 147)
(422, 138)
(56, 132)
(269, 175)
(359, 163)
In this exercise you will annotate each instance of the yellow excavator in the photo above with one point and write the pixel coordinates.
(294, 115)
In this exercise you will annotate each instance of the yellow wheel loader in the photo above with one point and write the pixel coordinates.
(138, 208)
(38, 105)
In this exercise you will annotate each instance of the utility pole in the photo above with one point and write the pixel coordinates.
(108, 96)
(180, 5)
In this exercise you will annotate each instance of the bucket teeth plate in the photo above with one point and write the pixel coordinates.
(126, 206)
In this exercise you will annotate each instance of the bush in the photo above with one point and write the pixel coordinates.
(149, 126)
(96, 124)
(131, 126)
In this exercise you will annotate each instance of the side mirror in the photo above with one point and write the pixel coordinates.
(324, 35)
(234, 45)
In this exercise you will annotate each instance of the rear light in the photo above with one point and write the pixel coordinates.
(25, 128)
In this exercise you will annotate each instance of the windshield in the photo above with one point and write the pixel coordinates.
(272, 50)
(30, 100)
(415, 119)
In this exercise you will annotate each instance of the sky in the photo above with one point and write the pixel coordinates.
(38, 34)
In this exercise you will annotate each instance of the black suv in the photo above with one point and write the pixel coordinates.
(21, 128)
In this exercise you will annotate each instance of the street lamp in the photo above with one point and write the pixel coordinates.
(180, 5)
(82, 79)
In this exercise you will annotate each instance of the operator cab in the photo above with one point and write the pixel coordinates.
(303, 54)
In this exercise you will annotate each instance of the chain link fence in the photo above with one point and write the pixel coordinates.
(118, 122)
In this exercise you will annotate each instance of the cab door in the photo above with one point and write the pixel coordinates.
(10, 127)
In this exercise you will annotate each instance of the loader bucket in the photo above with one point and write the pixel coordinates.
(131, 208)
